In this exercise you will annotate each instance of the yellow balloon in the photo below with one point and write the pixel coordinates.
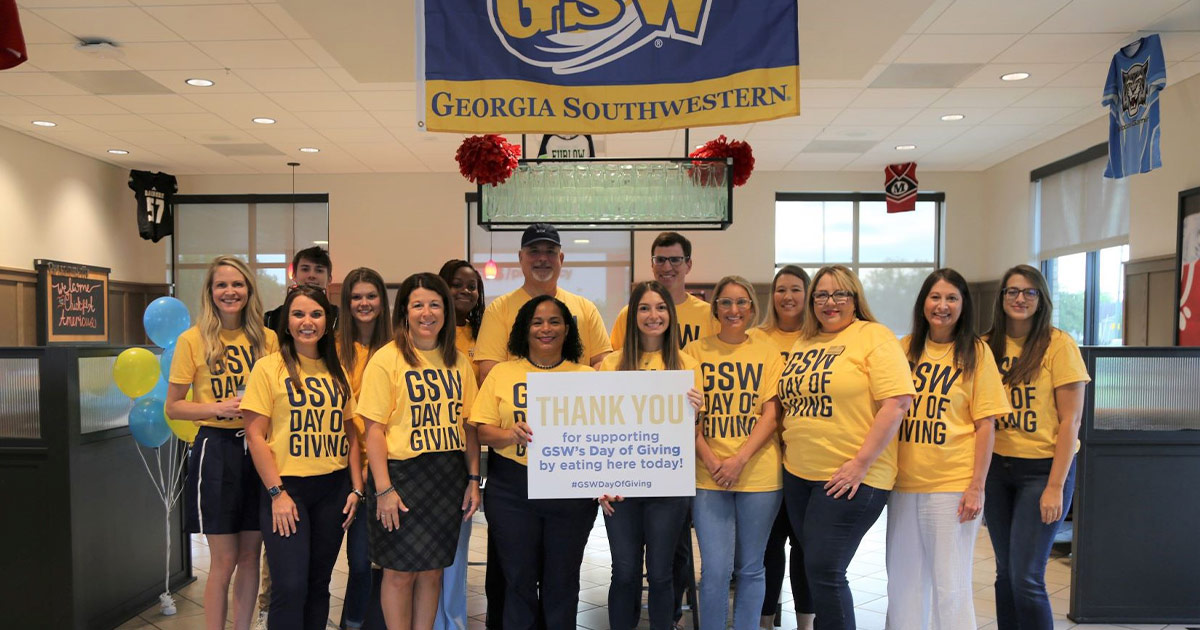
(136, 372)
(185, 430)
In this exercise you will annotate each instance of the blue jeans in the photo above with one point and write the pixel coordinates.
(358, 584)
(830, 531)
(732, 529)
(653, 525)
(1021, 540)
(452, 603)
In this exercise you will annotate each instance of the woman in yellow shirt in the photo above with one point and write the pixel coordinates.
(297, 409)
(540, 542)
(945, 447)
(366, 326)
(737, 477)
(646, 524)
(1032, 476)
(844, 391)
(213, 359)
(782, 327)
(424, 458)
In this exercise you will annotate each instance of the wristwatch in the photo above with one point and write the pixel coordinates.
(358, 493)
(474, 478)
(275, 491)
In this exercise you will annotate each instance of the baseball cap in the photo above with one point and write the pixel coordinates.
(540, 232)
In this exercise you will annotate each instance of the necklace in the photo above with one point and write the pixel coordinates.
(929, 354)
(546, 367)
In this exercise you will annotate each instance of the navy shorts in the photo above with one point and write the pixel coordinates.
(221, 495)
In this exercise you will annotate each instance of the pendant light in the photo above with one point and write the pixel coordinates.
(489, 269)
(291, 273)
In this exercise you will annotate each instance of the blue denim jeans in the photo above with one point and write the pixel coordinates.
(452, 603)
(652, 525)
(1020, 540)
(358, 584)
(830, 531)
(732, 529)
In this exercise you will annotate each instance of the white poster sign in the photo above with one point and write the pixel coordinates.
(617, 433)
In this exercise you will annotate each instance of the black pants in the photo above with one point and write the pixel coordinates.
(302, 564)
(775, 563)
(539, 544)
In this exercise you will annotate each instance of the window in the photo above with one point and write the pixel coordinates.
(264, 231)
(597, 264)
(1088, 293)
(891, 253)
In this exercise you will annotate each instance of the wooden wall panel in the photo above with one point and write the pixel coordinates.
(1150, 309)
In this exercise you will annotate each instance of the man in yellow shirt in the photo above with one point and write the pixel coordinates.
(671, 261)
(541, 262)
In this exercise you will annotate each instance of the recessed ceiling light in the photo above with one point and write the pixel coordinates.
(905, 147)
(582, 241)
(1015, 76)
(118, 151)
(309, 150)
(45, 123)
(199, 82)
(953, 117)
(320, 242)
(262, 120)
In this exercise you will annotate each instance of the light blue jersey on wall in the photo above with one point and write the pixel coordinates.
(1135, 78)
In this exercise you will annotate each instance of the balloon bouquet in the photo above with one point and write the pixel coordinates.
(142, 376)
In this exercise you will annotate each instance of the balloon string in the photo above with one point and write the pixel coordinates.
(148, 472)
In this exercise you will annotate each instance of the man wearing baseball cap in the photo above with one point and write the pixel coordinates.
(541, 262)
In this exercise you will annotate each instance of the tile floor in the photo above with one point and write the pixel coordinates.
(868, 580)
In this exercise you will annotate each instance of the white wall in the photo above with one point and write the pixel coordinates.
(61, 205)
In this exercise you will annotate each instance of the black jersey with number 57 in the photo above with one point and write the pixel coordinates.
(154, 193)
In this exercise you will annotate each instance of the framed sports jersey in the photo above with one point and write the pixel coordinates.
(72, 303)
(155, 195)
(1187, 268)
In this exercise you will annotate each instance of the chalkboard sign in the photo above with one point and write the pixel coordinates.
(72, 303)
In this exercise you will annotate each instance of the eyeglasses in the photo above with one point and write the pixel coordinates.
(1011, 294)
(728, 303)
(674, 260)
(838, 297)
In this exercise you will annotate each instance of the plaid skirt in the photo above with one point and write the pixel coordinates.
(432, 487)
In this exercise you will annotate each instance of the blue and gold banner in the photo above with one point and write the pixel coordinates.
(604, 66)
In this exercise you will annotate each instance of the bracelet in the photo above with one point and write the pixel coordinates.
(386, 491)
(475, 478)
(358, 493)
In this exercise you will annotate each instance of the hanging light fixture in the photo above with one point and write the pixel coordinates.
(291, 273)
(490, 269)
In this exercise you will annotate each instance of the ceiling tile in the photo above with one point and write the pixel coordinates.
(902, 42)
(364, 134)
(289, 140)
(216, 23)
(814, 116)
(1182, 71)
(827, 97)
(34, 84)
(1090, 75)
(316, 53)
(956, 48)
(77, 105)
(116, 122)
(773, 130)
(154, 104)
(1039, 74)
(224, 82)
(1060, 97)
(924, 136)
(337, 119)
(820, 161)
(113, 82)
(876, 116)
(873, 133)
(398, 100)
(39, 31)
(982, 97)
(46, 4)
(700, 135)
(57, 57)
(1179, 46)
(276, 53)
(190, 122)
(290, 80)
(1061, 47)
(152, 139)
(971, 116)
(214, 136)
(123, 25)
(167, 56)
(11, 105)
(889, 97)
(1090, 16)
(923, 75)
(22, 123)
(316, 101)
(931, 14)
(282, 21)
(990, 16)
(349, 83)
(1085, 115)
(1185, 18)
(1031, 115)
(402, 121)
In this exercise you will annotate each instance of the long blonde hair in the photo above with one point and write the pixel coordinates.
(209, 322)
(846, 281)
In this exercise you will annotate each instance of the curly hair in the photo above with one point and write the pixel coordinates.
(518, 339)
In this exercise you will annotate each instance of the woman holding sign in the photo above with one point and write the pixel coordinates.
(424, 460)
(651, 524)
(945, 448)
(737, 448)
(540, 541)
(844, 391)
(297, 407)
(1032, 476)
(366, 329)
(213, 359)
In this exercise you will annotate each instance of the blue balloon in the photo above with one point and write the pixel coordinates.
(159, 392)
(164, 361)
(164, 320)
(148, 424)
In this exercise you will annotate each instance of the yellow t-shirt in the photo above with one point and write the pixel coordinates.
(188, 368)
(738, 380)
(500, 315)
(1031, 430)
(307, 433)
(464, 340)
(937, 437)
(830, 390)
(695, 316)
(501, 400)
(781, 338)
(653, 361)
(354, 374)
(422, 406)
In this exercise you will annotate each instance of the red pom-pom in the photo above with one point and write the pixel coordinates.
(488, 159)
(743, 156)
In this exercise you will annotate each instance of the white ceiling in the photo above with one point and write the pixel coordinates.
(338, 77)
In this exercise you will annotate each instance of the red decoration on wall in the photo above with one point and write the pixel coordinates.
(488, 159)
(743, 156)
